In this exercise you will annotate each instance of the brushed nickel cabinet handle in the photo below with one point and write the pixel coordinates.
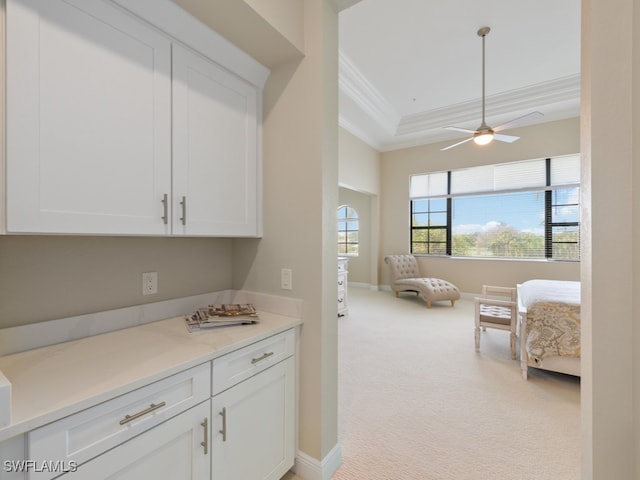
(152, 407)
(223, 414)
(205, 427)
(259, 359)
(165, 206)
(183, 203)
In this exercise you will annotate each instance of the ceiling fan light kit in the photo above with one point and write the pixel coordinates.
(483, 138)
(486, 134)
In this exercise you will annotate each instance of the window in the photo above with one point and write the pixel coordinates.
(348, 228)
(525, 209)
(430, 226)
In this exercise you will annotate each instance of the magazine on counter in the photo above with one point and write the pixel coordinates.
(221, 315)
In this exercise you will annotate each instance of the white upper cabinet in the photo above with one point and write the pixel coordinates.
(88, 119)
(215, 151)
(93, 146)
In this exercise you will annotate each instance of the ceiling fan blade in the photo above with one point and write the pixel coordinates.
(529, 117)
(505, 138)
(458, 129)
(456, 144)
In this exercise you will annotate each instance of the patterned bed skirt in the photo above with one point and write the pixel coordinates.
(553, 330)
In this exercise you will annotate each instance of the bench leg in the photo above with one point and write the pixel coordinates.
(453, 303)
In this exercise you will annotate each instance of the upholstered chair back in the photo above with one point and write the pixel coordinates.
(402, 266)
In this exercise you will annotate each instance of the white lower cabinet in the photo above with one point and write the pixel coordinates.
(253, 426)
(109, 426)
(232, 418)
(176, 449)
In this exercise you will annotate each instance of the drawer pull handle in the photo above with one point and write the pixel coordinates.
(205, 443)
(259, 359)
(223, 414)
(152, 407)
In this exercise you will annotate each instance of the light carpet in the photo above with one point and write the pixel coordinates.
(417, 402)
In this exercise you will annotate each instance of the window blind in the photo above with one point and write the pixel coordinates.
(505, 177)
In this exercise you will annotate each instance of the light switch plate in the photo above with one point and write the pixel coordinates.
(286, 279)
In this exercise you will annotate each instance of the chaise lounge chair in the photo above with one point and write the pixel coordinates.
(406, 277)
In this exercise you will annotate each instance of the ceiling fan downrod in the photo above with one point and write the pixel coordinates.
(483, 32)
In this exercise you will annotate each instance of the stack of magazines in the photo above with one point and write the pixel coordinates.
(221, 315)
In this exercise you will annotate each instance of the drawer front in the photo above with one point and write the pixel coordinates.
(341, 299)
(88, 433)
(342, 266)
(234, 367)
(342, 282)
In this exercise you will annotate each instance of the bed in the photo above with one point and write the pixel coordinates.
(549, 322)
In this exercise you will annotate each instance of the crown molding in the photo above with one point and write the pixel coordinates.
(530, 97)
(356, 86)
(421, 128)
(360, 133)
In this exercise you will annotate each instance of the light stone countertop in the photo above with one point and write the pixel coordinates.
(52, 382)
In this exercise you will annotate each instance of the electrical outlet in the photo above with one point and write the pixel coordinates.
(149, 283)
(286, 279)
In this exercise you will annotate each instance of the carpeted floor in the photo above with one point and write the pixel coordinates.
(417, 402)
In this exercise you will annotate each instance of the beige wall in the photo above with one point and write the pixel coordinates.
(284, 16)
(359, 164)
(50, 277)
(270, 31)
(611, 235)
(359, 171)
(360, 266)
(300, 202)
(554, 138)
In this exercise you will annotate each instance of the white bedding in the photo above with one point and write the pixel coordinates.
(549, 312)
(549, 291)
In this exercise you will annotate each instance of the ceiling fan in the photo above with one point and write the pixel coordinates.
(486, 134)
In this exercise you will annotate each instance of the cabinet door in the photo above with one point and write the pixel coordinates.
(253, 426)
(171, 450)
(89, 125)
(215, 157)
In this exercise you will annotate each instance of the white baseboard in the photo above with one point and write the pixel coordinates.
(311, 469)
(465, 295)
(368, 286)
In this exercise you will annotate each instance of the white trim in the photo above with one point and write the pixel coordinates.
(181, 25)
(367, 114)
(360, 133)
(530, 97)
(356, 86)
(368, 286)
(309, 468)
